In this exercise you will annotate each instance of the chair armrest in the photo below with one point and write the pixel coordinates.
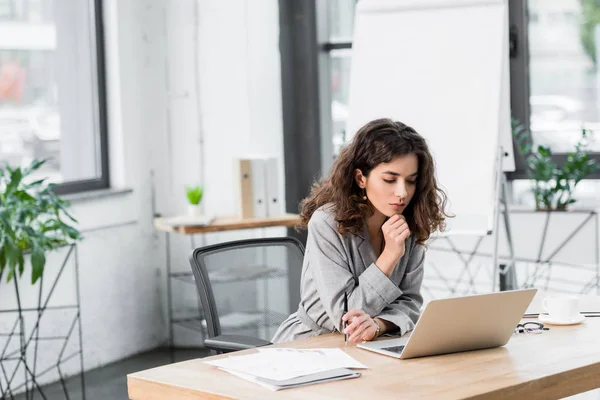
(234, 342)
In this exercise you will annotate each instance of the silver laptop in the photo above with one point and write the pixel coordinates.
(460, 324)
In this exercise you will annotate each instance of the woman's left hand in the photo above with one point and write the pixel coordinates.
(361, 326)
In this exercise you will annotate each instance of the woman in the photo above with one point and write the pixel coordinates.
(367, 224)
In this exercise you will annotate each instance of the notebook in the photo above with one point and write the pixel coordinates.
(319, 377)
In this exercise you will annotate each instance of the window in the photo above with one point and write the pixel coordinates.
(52, 90)
(563, 76)
(556, 93)
(337, 29)
(555, 83)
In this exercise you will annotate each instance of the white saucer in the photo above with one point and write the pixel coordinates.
(579, 318)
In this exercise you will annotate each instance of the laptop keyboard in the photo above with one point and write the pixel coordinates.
(394, 349)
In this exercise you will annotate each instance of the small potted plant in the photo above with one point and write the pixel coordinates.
(194, 196)
(33, 220)
(553, 185)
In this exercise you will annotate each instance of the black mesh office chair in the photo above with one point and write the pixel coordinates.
(245, 290)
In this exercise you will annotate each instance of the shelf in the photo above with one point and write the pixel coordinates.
(220, 224)
(184, 277)
(230, 275)
(235, 321)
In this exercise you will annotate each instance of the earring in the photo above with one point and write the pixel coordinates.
(364, 195)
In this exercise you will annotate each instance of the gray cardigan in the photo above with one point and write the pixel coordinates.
(334, 264)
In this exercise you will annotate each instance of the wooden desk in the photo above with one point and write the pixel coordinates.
(560, 362)
(220, 224)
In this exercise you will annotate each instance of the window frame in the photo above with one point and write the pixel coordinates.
(103, 181)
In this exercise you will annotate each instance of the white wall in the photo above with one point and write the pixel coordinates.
(191, 84)
(200, 84)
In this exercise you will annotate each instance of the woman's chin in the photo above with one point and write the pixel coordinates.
(390, 212)
(396, 210)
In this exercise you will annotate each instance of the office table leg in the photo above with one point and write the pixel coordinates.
(169, 298)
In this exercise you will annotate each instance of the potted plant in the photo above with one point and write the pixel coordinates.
(194, 196)
(33, 219)
(553, 185)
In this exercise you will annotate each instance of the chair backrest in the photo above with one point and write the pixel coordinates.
(244, 286)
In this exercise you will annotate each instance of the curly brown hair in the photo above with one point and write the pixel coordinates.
(377, 142)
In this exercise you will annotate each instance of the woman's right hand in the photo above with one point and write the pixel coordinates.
(395, 232)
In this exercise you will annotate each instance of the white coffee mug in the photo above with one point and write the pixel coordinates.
(563, 308)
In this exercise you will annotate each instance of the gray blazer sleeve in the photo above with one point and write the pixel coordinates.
(405, 310)
(372, 291)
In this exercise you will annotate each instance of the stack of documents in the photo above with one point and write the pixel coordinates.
(284, 368)
(188, 220)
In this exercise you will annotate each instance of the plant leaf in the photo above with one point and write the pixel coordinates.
(194, 194)
(30, 221)
(71, 232)
(24, 196)
(2, 262)
(38, 260)
(35, 183)
(62, 206)
(12, 256)
(15, 179)
(35, 164)
(21, 263)
(8, 168)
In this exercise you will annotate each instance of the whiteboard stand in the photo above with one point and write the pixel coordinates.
(442, 66)
(507, 270)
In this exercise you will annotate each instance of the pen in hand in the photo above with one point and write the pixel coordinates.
(345, 323)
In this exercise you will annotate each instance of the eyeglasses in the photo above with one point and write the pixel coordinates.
(531, 327)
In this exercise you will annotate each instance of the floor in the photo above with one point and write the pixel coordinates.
(110, 382)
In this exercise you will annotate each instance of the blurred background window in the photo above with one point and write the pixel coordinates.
(51, 90)
(339, 27)
(563, 74)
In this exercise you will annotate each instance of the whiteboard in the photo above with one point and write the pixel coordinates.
(440, 66)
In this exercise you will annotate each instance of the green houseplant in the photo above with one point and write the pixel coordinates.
(33, 219)
(194, 195)
(553, 185)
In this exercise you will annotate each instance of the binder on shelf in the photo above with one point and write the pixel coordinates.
(251, 187)
(274, 204)
(259, 187)
(243, 168)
